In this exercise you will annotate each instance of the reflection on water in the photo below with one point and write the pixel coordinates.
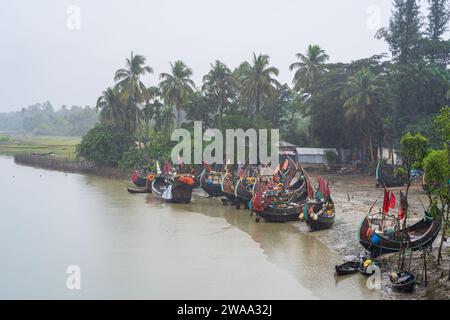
(134, 246)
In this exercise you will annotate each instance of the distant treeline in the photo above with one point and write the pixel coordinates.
(43, 119)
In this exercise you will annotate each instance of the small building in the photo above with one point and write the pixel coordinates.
(313, 156)
(287, 147)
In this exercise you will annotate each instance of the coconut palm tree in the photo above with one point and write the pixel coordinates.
(112, 111)
(219, 84)
(309, 67)
(362, 106)
(128, 78)
(257, 79)
(176, 86)
(132, 90)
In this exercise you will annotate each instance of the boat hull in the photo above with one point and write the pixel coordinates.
(422, 233)
(181, 192)
(274, 214)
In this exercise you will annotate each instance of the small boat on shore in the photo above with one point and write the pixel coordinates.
(174, 188)
(348, 267)
(422, 234)
(320, 212)
(386, 178)
(403, 281)
(322, 215)
(366, 266)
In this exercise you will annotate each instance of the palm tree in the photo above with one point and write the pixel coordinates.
(218, 83)
(176, 86)
(151, 109)
(112, 111)
(361, 107)
(309, 67)
(257, 79)
(132, 89)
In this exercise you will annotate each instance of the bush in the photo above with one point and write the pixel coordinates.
(134, 158)
(4, 139)
(104, 145)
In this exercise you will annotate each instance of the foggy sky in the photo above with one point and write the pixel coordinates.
(42, 59)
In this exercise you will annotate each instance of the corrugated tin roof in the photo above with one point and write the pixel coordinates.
(314, 151)
(286, 144)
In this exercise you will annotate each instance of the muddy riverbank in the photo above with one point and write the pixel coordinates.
(353, 196)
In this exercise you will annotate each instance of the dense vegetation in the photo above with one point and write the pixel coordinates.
(42, 119)
(360, 105)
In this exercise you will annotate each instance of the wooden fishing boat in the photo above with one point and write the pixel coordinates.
(385, 176)
(403, 281)
(281, 213)
(322, 216)
(244, 190)
(210, 182)
(139, 178)
(143, 180)
(422, 234)
(174, 189)
(348, 267)
(228, 187)
(319, 211)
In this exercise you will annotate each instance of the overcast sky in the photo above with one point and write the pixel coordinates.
(44, 56)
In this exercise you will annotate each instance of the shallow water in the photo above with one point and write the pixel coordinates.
(136, 247)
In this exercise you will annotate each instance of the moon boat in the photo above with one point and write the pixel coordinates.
(174, 188)
(139, 178)
(143, 182)
(319, 213)
(381, 232)
(244, 188)
(211, 182)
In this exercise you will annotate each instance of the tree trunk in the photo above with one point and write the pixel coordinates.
(425, 266)
(371, 146)
(405, 235)
(220, 114)
(178, 117)
(445, 225)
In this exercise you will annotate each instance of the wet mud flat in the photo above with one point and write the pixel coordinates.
(353, 195)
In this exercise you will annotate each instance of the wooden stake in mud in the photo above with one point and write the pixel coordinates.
(425, 266)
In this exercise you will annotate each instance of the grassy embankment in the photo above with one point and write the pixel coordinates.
(53, 153)
(61, 147)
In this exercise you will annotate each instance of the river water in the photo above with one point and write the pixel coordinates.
(136, 247)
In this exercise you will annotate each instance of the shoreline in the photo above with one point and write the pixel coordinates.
(49, 162)
(353, 195)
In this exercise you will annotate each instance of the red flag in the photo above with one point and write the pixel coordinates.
(392, 201)
(386, 202)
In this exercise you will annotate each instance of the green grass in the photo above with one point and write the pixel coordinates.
(62, 147)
